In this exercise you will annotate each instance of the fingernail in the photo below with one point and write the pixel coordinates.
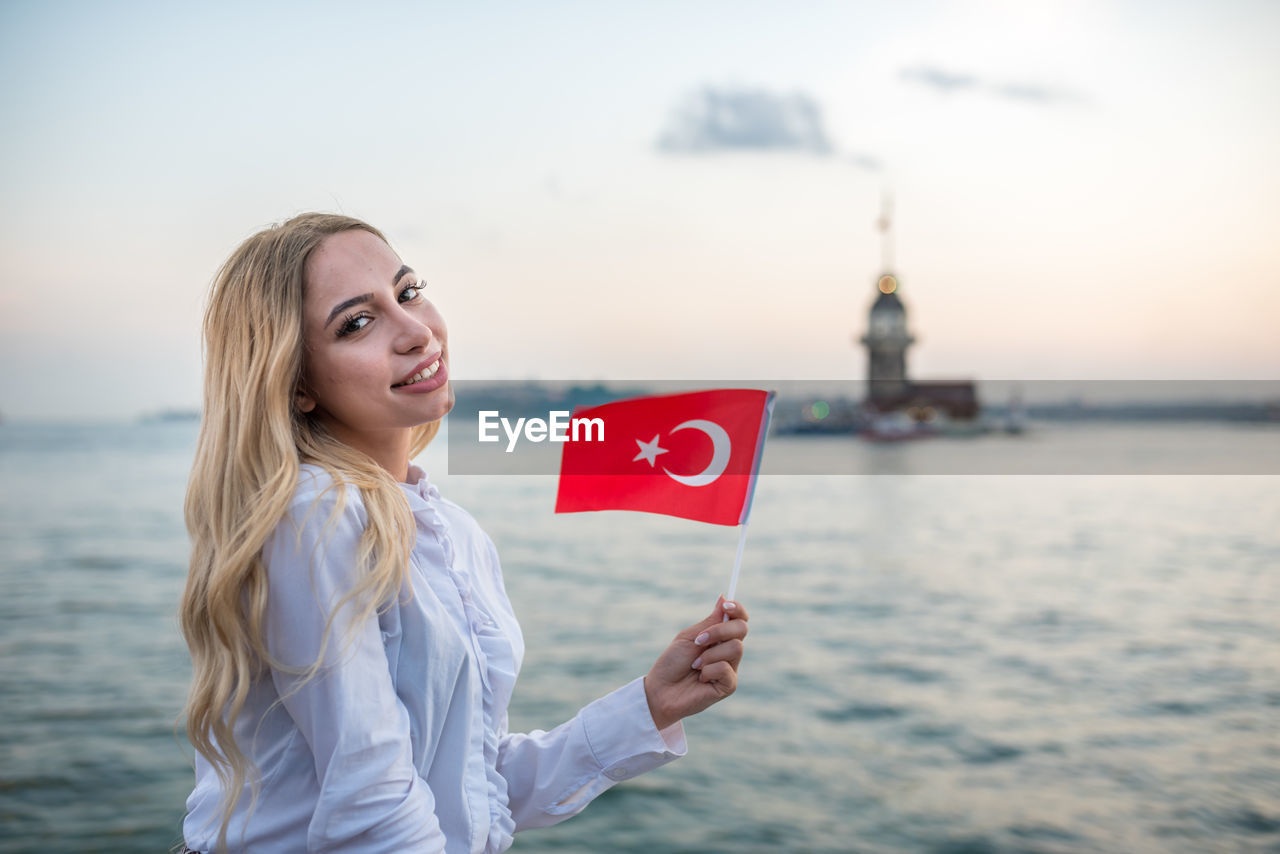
(729, 606)
(701, 639)
(697, 662)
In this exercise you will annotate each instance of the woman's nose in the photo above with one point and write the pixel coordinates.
(413, 334)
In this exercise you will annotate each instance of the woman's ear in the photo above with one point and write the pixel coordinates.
(305, 402)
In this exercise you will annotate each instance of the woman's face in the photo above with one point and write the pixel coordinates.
(377, 353)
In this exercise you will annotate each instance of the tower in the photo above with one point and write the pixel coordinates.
(887, 338)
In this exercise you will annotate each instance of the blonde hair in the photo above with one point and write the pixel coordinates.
(252, 440)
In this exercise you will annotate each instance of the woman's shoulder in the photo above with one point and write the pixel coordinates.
(314, 480)
(317, 489)
(456, 513)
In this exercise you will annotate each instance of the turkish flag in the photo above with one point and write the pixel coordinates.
(693, 455)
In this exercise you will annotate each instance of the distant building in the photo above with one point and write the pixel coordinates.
(890, 388)
(887, 340)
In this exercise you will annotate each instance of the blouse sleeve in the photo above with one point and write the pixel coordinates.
(554, 775)
(371, 797)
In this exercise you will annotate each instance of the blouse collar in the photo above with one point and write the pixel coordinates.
(418, 485)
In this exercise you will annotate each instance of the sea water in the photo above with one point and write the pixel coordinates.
(937, 663)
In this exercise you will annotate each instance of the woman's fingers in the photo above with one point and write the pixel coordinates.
(724, 611)
(721, 632)
(723, 675)
(729, 651)
(720, 645)
(734, 610)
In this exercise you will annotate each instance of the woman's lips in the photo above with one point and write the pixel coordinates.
(428, 376)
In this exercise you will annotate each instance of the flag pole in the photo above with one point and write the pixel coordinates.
(737, 564)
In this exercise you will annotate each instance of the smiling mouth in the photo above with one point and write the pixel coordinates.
(421, 376)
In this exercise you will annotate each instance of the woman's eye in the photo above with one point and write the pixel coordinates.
(353, 324)
(412, 292)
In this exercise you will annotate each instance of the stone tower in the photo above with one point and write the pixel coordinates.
(887, 340)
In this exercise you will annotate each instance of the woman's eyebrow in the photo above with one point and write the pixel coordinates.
(346, 304)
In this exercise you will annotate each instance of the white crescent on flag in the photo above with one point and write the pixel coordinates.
(721, 447)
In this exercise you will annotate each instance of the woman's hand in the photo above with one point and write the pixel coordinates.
(699, 668)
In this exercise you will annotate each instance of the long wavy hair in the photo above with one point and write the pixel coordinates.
(252, 440)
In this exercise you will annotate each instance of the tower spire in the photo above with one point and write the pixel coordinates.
(885, 225)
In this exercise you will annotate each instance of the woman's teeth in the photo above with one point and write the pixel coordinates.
(425, 374)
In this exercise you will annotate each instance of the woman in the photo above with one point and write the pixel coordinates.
(353, 647)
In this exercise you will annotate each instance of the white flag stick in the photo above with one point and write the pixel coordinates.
(737, 564)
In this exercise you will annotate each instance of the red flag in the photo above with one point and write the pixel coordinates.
(692, 455)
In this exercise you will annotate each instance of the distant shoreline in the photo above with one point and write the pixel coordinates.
(1228, 401)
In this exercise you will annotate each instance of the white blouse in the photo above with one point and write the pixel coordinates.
(400, 743)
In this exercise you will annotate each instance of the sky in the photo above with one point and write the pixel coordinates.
(657, 190)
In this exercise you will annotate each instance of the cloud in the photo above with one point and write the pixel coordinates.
(1035, 94)
(936, 78)
(719, 120)
(950, 82)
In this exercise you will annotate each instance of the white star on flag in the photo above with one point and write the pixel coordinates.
(649, 451)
